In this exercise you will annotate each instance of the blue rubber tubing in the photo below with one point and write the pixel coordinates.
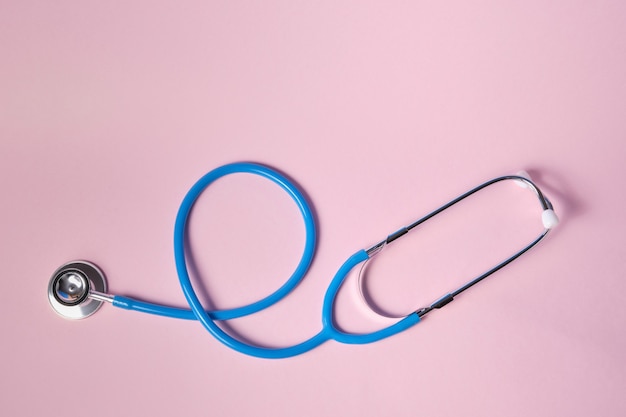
(207, 318)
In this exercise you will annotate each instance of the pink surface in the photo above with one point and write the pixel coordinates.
(109, 112)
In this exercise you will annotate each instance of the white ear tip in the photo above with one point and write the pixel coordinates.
(523, 174)
(549, 219)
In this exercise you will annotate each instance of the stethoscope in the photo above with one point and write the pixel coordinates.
(78, 289)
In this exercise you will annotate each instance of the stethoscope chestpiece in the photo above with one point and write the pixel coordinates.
(70, 287)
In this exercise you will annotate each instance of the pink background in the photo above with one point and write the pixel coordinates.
(109, 111)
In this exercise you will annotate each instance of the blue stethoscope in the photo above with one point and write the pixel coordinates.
(78, 288)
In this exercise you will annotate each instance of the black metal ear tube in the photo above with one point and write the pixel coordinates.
(549, 219)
